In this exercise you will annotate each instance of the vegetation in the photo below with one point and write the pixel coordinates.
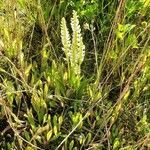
(74, 75)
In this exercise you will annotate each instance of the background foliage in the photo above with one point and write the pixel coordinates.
(50, 100)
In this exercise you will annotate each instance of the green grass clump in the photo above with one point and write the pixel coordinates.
(74, 75)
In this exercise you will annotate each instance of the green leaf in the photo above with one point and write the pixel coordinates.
(55, 120)
(27, 70)
(27, 135)
(45, 90)
(55, 130)
(71, 145)
(132, 41)
(49, 135)
(60, 120)
(88, 138)
(29, 148)
(116, 144)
